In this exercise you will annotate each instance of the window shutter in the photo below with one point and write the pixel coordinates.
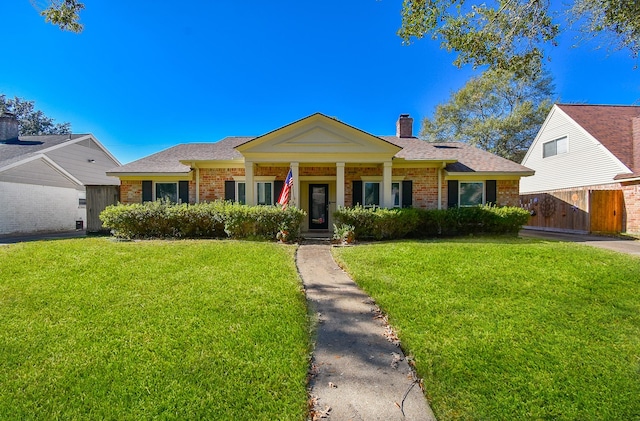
(147, 191)
(356, 198)
(452, 196)
(491, 192)
(277, 189)
(407, 193)
(230, 190)
(183, 191)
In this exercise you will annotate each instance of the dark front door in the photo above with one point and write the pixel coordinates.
(318, 206)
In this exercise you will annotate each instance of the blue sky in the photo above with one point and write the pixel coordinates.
(146, 75)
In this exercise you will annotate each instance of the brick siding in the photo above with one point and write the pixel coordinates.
(131, 191)
(508, 192)
(631, 192)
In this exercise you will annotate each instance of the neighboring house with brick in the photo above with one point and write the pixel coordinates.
(587, 170)
(333, 165)
(44, 179)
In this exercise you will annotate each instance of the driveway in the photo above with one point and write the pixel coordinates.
(12, 239)
(621, 245)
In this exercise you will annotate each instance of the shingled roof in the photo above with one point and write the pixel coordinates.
(459, 157)
(611, 125)
(16, 150)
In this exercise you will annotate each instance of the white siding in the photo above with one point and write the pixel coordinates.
(26, 208)
(587, 162)
(38, 172)
(75, 158)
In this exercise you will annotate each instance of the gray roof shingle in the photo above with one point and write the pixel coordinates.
(463, 157)
(28, 146)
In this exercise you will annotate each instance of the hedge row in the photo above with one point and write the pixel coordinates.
(202, 220)
(382, 224)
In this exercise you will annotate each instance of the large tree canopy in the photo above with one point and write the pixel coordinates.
(30, 120)
(510, 34)
(497, 112)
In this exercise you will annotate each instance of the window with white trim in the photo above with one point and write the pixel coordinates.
(471, 193)
(371, 194)
(555, 147)
(241, 197)
(167, 191)
(264, 192)
(396, 194)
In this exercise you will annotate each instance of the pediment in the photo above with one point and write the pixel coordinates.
(318, 134)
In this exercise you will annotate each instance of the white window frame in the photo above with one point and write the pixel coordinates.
(257, 192)
(564, 140)
(399, 184)
(155, 190)
(243, 200)
(484, 192)
(364, 194)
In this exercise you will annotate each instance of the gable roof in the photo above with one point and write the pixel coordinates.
(80, 158)
(611, 125)
(28, 146)
(458, 157)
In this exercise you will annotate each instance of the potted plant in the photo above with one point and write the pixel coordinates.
(344, 233)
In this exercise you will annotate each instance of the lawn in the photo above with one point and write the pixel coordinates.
(512, 329)
(96, 329)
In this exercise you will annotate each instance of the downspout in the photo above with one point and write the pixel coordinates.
(197, 184)
(440, 185)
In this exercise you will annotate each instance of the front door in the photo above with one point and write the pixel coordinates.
(318, 206)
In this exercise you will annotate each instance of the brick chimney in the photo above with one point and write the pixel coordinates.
(8, 127)
(404, 126)
(635, 139)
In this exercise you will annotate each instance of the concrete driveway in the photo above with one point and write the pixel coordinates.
(621, 245)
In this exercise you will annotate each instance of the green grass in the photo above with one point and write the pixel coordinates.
(94, 329)
(511, 329)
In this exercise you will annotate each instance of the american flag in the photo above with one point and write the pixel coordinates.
(286, 191)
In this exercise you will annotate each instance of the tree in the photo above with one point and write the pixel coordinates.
(510, 34)
(30, 120)
(496, 111)
(64, 13)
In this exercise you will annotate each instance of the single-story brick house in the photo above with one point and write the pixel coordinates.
(333, 165)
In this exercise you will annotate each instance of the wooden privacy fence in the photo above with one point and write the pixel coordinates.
(581, 211)
(98, 198)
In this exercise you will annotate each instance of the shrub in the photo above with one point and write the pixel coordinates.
(379, 224)
(202, 220)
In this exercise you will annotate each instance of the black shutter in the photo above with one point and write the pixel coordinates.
(407, 193)
(277, 189)
(183, 191)
(147, 191)
(491, 192)
(452, 196)
(357, 193)
(230, 190)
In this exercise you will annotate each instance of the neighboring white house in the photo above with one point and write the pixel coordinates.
(586, 149)
(43, 179)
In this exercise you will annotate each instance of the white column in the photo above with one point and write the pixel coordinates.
(248, 183)
(339, 185)
(386, 186)
(295, 189)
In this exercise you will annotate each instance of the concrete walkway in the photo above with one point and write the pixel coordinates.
(358, 374)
